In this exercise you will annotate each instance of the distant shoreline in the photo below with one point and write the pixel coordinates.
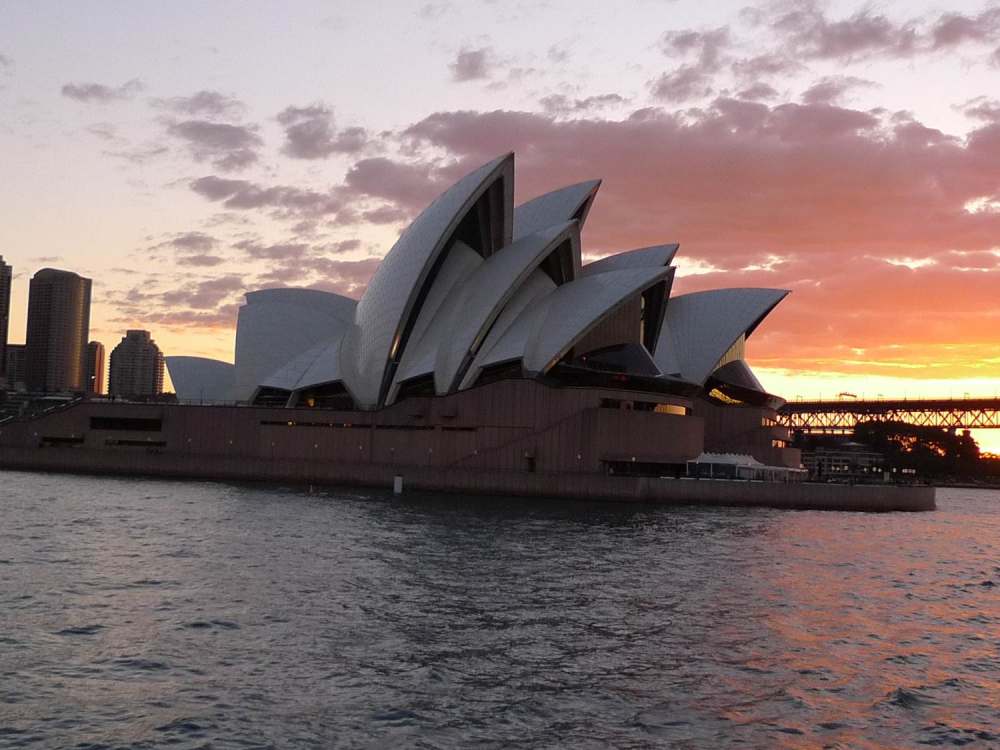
(969, 486)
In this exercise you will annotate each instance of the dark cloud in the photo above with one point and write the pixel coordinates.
(708, 46)
(952, 29)
(686, 82)
(344, 246)
(98, 92)
(758, 92)
(472, 64)
(204, 295)
(193, 241)
(6, 64)
(982, 108)
(808, 32)
(287, 202)
(409, 186)
(203, 103)
(830, 90)
(200, 260)
(387, 215)
(560, 104)
(767, 65)
(228, 147)
(695, 79)
(310, 133)
(277, 251)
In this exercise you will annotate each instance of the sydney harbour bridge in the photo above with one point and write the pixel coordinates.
(840, 417)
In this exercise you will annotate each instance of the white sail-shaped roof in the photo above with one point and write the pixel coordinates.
(535, 288)
(389, 306)
(201, 379)
(454, 277)
(565, 204)
(276, 325)
(462, 324)
(645, 257)
(317, 365)
(699, 328)
(547, 329)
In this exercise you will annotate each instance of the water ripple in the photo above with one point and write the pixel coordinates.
(148, 614)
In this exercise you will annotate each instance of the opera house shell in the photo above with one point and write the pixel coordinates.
(483, 306)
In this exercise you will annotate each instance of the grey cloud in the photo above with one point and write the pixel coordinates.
(952, 29)
(766, 65)
(694, 79)
(277, 251)
(830, 89)
(386, 215)
(228, 147)
(287, 201)
(408, 185)
(687, 82)
(98, 92)
(201, 260)
(198, 241)
(560, 104)
(472, 64)
(6, 63)
(310, 133)
(708, 45)
(205, 294)
(982, 108)
(344, 246)
(204, 103)
(758, 92)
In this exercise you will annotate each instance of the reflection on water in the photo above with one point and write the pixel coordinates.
(154, 614)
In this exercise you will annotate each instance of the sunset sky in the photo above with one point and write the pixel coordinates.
(183, 153)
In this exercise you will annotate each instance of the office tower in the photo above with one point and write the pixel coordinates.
(15, 360)
(136, 367)
(58, 328)
(95, 368)
(6, 273)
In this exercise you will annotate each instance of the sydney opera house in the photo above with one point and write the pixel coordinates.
(483, 358)
(483, 341)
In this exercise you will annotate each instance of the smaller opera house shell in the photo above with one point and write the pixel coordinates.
(482, 328)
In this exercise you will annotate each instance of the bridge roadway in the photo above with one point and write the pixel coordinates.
(838, 417)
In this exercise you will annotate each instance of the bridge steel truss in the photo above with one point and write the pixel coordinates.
(840, 417)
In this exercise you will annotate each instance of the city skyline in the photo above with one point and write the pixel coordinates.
(810, 150)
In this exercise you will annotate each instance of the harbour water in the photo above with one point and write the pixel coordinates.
(148, 614)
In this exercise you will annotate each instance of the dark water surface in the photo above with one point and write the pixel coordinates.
(139, 614)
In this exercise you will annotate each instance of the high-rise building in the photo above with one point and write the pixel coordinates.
(15, 361)
(58, 328)
(136, 367)
(95, 368)
(6, 273)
